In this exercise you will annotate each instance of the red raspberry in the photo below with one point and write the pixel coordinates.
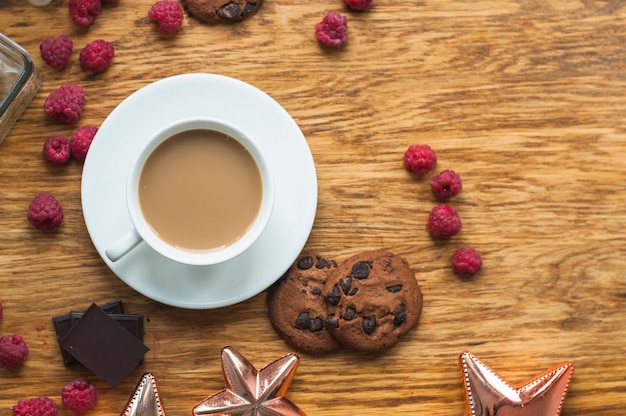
(45, 213)
(466, 261)
(13, 351)
(446, 184)
(56, 150)
(79, 396)
(65, 104)
(359, 5)
(332, 30)
(81, 141)
(84, 12)
(443, 221)
(168, 16)
(39, 406)
(420, 158)
(56, 53)
(96, 55)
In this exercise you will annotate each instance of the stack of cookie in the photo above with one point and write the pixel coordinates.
(366, 303)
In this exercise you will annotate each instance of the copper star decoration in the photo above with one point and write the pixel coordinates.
(489, 395)
(145, 401)
(252, 392)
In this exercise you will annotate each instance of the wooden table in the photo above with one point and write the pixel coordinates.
(524, 99)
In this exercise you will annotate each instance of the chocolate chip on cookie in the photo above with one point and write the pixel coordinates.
(297, 307)
(213, 11)
(373, 300)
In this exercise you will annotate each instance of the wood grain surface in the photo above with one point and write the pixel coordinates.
(525, 99)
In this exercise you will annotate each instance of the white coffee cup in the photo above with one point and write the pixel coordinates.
(142, 231)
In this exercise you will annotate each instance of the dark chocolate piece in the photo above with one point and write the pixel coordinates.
(394, 288)
(104, 346)
(303, 321)
(305, 263)
(325, 264)
(229, 11)
(369, 324)
(399, 316)
(334, 296)
(63, 324)
(133, 323)
(360, 270)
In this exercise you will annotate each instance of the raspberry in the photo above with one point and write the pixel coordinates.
(65, 104)
(56, 150)
(332, 30)
(168, 16)
(96, 55)
(84, 12)
(56, 53)
(446, 184)
(45, 213)
(39, 406)
(79, 396)
(13, 351)
(420, 158)
(443, 221)
(466, 261)
(359, 5)
(81, 141)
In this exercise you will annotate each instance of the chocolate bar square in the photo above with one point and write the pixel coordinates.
(63, 324)
(104, 346)
(131, 322)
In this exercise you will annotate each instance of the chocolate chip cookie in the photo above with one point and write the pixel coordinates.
(297, 307)
(373, 300)
(214, 11)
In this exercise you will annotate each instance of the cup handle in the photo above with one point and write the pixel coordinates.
(123, 245)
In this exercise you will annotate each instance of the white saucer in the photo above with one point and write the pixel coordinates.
(144, 113)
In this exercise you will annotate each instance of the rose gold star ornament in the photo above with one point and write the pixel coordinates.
(145, 400)
(252, 392)
(487, 394)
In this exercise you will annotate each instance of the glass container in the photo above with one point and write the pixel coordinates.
(19, 82)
